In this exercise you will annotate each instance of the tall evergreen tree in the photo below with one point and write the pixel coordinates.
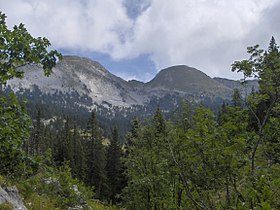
(236, 98)
(37, 143)
(77, 155)
(132, 136)
(114, 166)
(159, 122)
(95, 157)
(62, 141)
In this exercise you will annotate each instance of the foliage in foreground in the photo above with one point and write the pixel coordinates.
(53, 188)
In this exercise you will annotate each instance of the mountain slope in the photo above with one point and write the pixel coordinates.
(88, 78)
(245, 89)
(82, 75)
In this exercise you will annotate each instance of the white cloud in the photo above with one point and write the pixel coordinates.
(206, 34)
(89, 25)
(199, 33)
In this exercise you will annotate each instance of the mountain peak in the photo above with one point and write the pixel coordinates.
(183, 78)
(82, 61)
(178, 67)
(182, 69)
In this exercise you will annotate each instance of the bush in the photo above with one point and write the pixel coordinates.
(58, 186)
(6, 206)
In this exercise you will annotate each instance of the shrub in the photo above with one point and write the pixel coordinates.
(6, 206)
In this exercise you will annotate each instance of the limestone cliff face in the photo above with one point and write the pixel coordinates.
(83, 76)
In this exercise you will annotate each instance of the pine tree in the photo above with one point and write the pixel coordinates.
(62, 140)
(132, 136)
(33, 145)
(159, 122)
(77, 155)
(95, 157)
(114, 166)
(236, 98)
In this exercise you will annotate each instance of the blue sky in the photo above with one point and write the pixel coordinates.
(134, 39)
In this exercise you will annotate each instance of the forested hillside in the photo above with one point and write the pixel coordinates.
(198, 158)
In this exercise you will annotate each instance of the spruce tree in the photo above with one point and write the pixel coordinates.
(132, 136)
(236, 98)
(113, 166)
(95, 157)
(77, 155)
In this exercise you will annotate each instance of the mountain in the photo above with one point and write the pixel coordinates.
(91, 79)
(79, 85)
(188, 81)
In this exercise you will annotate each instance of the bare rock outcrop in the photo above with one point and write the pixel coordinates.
(11, 195)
